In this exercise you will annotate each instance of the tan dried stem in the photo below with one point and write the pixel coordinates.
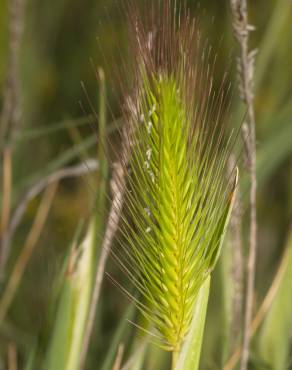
(12, 357)
(7, 183)
(246, 75)
(118, 184)
(11, 111)
(119, 357)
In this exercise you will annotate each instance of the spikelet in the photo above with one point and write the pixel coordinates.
(178, 191)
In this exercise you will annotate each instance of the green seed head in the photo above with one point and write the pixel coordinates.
(178, 192)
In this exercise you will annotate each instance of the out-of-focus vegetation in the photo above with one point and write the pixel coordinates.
(61, 40)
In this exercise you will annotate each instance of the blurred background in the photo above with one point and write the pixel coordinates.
(55, 128)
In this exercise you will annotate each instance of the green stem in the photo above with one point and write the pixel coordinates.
(174, 359)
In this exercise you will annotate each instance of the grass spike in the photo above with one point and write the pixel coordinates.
(179, 194)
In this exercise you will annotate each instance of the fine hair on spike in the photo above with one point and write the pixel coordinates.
(176, 145)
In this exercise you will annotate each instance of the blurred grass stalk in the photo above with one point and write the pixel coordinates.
(66, 346)
(245, 66)
(278, 144)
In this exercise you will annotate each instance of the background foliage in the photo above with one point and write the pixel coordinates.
(60, 38)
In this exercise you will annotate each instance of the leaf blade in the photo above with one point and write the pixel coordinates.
(190, 354)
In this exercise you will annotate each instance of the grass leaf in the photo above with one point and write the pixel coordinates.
(65, 348)
(190, 355)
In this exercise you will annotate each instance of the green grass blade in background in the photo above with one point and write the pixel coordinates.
(63, 159)
(228, 292)
(190, 354)
(67, 342)
(280, 14)
(53, 128)
(118, 337)
(62, 334)
(65, 348)
(276, 148)
(275, 336)
(30, 364)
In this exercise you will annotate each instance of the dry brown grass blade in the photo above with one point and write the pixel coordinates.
(246, 76)
(12, 357)
(27, 250)
(11, 111)
(119, 357)
(6, 195)
(118, 184)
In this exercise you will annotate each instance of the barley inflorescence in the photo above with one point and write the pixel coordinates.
(178, 191)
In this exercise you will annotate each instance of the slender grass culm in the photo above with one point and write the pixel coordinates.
(179, 193)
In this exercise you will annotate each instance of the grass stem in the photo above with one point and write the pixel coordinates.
(174, 359)
(246, 69)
